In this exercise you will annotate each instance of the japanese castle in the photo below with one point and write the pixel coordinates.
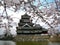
(25, 26)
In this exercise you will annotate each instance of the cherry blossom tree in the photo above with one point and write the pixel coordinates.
(47, 12)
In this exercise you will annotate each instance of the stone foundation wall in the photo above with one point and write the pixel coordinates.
(31, 38)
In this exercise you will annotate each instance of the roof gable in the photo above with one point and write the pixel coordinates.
(26, 26)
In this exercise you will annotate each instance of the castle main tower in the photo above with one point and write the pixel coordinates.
(25, 26)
